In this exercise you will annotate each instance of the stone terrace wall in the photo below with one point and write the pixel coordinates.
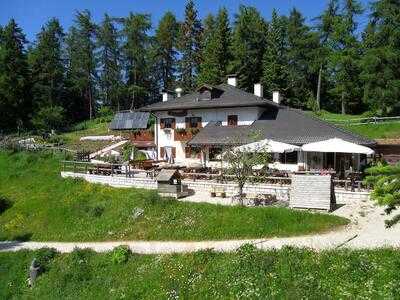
(282, 192)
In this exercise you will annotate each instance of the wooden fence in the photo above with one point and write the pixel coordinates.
(364, 121)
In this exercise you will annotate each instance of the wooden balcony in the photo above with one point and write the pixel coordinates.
(183, 135)
(142, 136)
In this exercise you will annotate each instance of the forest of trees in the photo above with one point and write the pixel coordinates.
(330, 62)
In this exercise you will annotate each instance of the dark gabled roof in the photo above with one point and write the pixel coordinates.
(229, 96)
(294, 126)
(130, 120)
(216, 135)
(167, 174)
(283, 125)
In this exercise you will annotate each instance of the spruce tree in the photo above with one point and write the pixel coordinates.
(15, 104)
(343, 60)
(208, 69)
(189, 47)
(380, 63)
(82, 65)
(275, 62)
(137, 59)
(300, 55)
(248, 47)
(48, 69)
(165, 43)
(223, 37)
(110, 63)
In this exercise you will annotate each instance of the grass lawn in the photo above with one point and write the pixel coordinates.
(45, 207)
(247, 273)
(372, 131)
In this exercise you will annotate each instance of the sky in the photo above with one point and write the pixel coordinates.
(32, 14)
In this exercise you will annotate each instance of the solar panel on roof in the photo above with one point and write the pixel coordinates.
(130, 120)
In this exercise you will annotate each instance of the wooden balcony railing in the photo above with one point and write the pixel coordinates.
(182, 135)
(142, 135)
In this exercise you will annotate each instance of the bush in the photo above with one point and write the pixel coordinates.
(49, 118)
(104, 115)
(120, 254)
(4, 204)
(44, 257)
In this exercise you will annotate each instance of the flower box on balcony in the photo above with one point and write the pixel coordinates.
(143, 135)
(182, 134)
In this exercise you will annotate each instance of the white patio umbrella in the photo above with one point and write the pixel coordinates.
(268, 146)
(337, 145)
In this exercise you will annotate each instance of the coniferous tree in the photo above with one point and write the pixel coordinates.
(189, 46)
(275, 67)
(325, 28)
(248, 47)
(15, 104)
(215, 49)
(299, 62)
(110, 63)
(136, 50)
(380, 63)
(343, 61)
(48, 74)
(165, 52)
(82, 64)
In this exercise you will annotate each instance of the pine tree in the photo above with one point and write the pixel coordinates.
(82, 64)
(248, 47)
(208, 69)
(299, 62)
(165, 42)
(189, 46)
(325, 27)
(15, 105)
(215, 49)
(380, 63)
(110, 63)
(136, 52)
(275, 58)
(48, 67)
(343, 61)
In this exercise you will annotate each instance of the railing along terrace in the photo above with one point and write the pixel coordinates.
(104, 169)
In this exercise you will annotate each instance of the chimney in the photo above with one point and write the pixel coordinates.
(232, 80)
(276, 97)
(178, 92)
(167, 95)
(258, 90)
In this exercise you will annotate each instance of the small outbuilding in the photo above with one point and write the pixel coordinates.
(169, 184)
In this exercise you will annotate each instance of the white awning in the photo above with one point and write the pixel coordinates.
(267, 145)
(338, 146)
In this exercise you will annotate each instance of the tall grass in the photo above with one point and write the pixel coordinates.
(245, 274)
(46, 207)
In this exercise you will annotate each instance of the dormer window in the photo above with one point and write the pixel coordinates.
(232, 120)
(208, 92)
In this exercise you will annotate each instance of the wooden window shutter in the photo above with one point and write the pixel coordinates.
(173, 152)
(162, 152)
(188, 151)
(162, 124)
(232, 120)
(187, 122)
(199, 125)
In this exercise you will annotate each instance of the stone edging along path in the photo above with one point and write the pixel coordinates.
(366, 231)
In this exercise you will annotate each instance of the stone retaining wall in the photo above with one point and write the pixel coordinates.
(282, 192)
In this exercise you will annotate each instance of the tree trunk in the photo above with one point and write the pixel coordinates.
(343, 104)
(241, 193)
(319, 88)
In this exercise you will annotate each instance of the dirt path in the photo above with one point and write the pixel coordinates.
(366, 231)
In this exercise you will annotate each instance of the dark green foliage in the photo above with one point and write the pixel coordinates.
(47, 207)
(166, 54)
(44, 258)
(48, 118)
(386, 183)
(247, 273)
(189, 45)
(15, 104)
(110, 61)
(4, 204)
(248, 46)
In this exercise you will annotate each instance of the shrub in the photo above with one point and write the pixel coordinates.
(49, 118)
(44, 257)
(4, 204)
(120, 254)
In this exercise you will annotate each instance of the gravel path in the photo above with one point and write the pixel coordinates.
(366, 230)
